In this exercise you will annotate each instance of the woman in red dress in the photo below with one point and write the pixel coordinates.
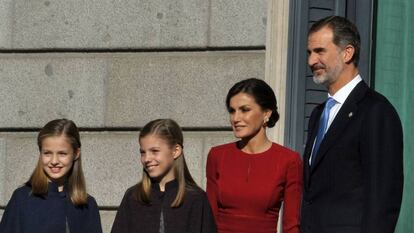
(248, 180)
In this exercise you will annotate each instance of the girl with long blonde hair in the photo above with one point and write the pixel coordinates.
(54, 199)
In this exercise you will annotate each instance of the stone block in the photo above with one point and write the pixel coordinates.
(122, 90)
(188, 87)
(107, 219)
(5, 23)
(37, 88)
(193, 153)
(238, 23)
(111, 165)
(85, 24)
(20, 159)
(101, 24)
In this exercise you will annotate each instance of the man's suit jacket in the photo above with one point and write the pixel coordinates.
(355, 183)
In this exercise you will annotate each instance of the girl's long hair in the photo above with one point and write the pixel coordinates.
(170, 131)
(76, 187)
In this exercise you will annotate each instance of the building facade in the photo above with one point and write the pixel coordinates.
(111, 66)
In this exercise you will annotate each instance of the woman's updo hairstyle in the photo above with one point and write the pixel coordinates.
(262, 94)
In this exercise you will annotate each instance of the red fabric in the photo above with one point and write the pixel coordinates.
(246, 190)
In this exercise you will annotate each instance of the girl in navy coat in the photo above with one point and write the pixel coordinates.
(54, 199)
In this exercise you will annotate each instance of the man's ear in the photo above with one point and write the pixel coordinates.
(348, 53)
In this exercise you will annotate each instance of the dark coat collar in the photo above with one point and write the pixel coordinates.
(53, 190)
(169, 186)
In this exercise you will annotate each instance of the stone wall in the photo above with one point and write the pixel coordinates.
(111, 66)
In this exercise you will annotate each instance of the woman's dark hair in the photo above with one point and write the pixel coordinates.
(262, 94)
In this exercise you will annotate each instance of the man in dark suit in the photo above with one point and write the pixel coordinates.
(353, 161)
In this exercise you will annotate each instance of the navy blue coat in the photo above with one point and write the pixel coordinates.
(26, 213)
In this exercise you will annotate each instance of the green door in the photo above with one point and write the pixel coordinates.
(394, 77)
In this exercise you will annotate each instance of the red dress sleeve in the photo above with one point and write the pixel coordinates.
(292, 196)
(212, 189)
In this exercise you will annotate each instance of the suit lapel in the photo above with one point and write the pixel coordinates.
(346, 113)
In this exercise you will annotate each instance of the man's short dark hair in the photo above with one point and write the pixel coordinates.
(344, 32)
